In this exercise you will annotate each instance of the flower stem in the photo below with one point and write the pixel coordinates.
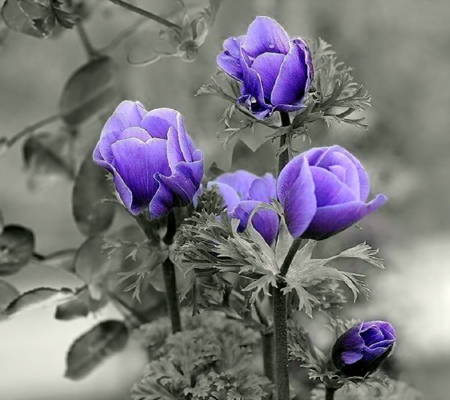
(329, 393)
(281, 352)
(87, 45)
(146, 13)
(283, 158)
(290, 256)
(168, 267)
(267, 347)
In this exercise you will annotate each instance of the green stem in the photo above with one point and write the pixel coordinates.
(281, 351)
(283, 158)
(167, 266)
(87, 45)
(329, 393)
(267, 347)
(146, 13)
(290, 256)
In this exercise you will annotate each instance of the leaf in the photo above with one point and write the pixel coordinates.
(63, 259)
(93, 347)
(16, 249)
(7, 294)
(48, 157)
(91, 186)
(80, 306)
(28, 17)
(40, 297)
(92, 264)
(91, 89)
(284, 242)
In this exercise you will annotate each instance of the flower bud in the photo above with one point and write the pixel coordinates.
(362, 349)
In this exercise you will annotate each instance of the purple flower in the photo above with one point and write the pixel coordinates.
(275, 71)
(324, 191)
(155, 164)
(362, 349)
(242, 192)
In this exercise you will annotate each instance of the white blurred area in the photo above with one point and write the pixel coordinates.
(33, 347)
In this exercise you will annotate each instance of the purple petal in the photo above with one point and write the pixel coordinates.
(371, 335)
(364, 183)
(314, 154)
(184, 181)
(186, 144)
(125, 194)
(263, 189)
(105, 142)
(333, 219)
(229, 195)
(267, 66)
(158, 121)
(136, 163)
(351, 179)
(350, 357)
(126, 115)
(265, 35)
(233, 46)
(291, 85)
(162, 203)
(296, 194)
(240, 180)
(266, 222)
(230, 65)
(329, 190)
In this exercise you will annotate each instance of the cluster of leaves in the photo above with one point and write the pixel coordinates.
(333, 96)
(208, 245)
(210, 359)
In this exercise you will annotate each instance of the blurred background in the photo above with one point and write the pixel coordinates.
(399, 52)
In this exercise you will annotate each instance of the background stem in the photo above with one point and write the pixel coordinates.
(268, 353)
(146, 13)
(87, 45)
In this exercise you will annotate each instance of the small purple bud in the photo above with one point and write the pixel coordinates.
(362, 349)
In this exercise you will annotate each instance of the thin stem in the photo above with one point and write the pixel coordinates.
(283, 158)
(30, 129)
(87, 45)
(167, 266)
(172, 295)
(290, 256)
(281, 351)
(329, 393)
(121, 36)
(146, 13)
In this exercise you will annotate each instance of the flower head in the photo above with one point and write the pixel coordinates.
(275, 71)
(324, 191)
(242, 192)
(362, 349)
(155, 164)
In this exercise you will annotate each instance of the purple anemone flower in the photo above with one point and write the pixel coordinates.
(324, 191)
(155, 164)
(275, 71)
(242, 192)
(362, 349)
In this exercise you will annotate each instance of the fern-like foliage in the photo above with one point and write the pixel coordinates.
(209, 359)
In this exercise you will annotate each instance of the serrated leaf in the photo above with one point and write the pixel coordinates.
(284, 242)
(40, 297)
(48, 158)
(7, 294)
(63, 259)
(63, 18)
(91, 186)
(91, 89)
(93, 347)
(92, 264)
(16, 249)
(28, 17)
